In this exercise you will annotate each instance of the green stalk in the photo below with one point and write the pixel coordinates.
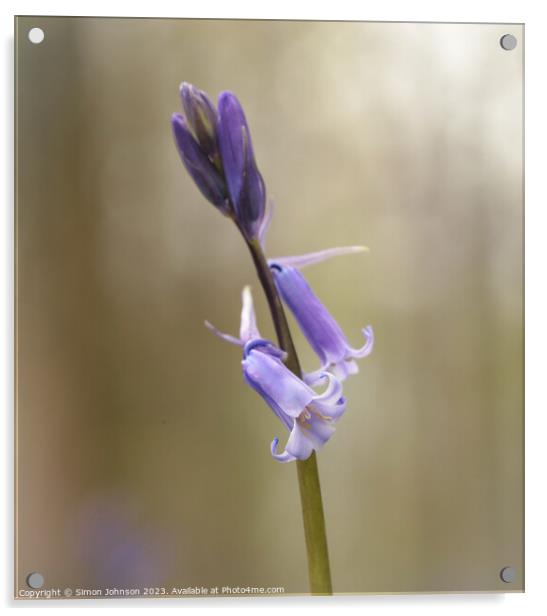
(308, 474)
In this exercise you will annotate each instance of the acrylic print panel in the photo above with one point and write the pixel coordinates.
(143, 455)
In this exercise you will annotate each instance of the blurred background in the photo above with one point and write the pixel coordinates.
(143, 459)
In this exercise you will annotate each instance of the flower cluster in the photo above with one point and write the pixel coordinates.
(216, 149)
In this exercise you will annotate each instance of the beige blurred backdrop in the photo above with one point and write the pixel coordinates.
(142, 458)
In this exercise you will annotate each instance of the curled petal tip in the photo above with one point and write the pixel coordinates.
(367, 348)
(280, 457)
(222, 335)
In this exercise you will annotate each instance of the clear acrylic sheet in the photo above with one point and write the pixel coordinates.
(143, 462)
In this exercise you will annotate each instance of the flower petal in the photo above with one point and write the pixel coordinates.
(331, 403)
(344, 368)
(274, 381)
(318, 326)
(227, 337)
(318, 431)
(202, 117)
(298, 447)
(311, 258)
(280, 457)
(306, 436)
(366, 349)
(248, 329)
(203, 172)
(265, 224)
(245, 184)
(331, 410)
(285, 419)
(333, 391)
(250, 204)
(232, 126)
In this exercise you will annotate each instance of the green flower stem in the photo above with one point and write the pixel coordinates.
(314, 526)
(308, 474)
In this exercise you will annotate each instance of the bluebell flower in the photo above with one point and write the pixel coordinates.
(202, 118)
(309, 416)
(245, 184)
(318, 326)
(216, 149)
(207, 177)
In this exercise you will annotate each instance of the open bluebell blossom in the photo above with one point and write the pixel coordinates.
(317, 324)
(309, 416)
(245, 184)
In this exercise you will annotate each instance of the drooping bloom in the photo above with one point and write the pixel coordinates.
(317, 324)
(216, 149)
(309, 416)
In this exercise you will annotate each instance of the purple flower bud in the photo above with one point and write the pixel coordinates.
(245, 184)
(206, 176)
(202, 118)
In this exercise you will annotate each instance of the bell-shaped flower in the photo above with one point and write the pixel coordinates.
(309, 416)
(245, 184)
(317, 324)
